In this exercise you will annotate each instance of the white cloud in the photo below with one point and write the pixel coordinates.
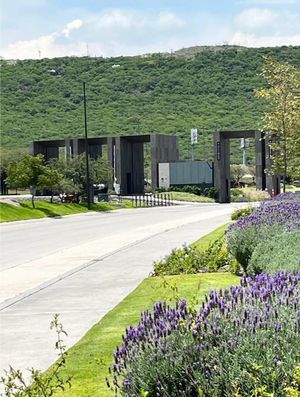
(75, 24)
(116, 20)
(252, 40)
(131, 32)
(260, 27)
(47, 46)
(254, 18)
(44, 46)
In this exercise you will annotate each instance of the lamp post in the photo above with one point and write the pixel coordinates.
(88, 186)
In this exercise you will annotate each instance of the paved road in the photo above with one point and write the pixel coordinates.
(82, 266)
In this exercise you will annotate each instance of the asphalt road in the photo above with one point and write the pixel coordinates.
(81, 266)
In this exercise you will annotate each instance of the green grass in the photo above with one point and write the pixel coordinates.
(89, 359)
(183, 196)
(24, 211)
(204, 242)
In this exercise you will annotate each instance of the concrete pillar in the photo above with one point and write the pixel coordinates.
(222, 167)
(260, 160)
(129, 163)
(37, 148)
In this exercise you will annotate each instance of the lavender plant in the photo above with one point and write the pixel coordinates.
(267, 221)
(281, 253)
(244, 341)
(288, 196)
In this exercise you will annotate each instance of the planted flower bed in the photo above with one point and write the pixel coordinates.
(244, 341)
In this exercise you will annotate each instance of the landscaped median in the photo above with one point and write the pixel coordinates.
(43, 209)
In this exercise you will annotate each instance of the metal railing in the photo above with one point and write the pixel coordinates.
(153, 200)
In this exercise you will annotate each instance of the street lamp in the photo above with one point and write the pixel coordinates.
(88, 187)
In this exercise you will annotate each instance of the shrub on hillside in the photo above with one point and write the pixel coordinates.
(244, 341)
(280, 253)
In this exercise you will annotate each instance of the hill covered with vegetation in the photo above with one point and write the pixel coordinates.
(198, 87)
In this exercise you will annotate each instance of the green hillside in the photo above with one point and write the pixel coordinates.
(198, 87)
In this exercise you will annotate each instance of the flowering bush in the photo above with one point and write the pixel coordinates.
(242, 242)
(281, 213)
(267, 221)
(244, 341)
(288, 196)
(280, 253)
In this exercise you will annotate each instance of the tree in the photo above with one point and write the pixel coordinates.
(50, 179)
(74, 172)
(27, 173)
(237, 171)
(282, 121)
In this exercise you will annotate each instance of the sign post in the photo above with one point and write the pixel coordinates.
(194, 140)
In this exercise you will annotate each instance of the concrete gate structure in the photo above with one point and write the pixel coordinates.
(125, 154)
(222, 162)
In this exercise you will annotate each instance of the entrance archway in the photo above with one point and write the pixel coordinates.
(222, 162)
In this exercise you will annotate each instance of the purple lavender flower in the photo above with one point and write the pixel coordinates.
(262, 314)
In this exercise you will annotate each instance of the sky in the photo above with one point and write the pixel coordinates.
(53, 28)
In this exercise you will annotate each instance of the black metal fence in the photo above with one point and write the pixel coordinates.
(153, 200)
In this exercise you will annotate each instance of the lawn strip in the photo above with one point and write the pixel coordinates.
(183, 196)
(89, 359)
(24, 211)
(204, 242)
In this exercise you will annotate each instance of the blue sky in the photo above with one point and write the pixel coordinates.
(50, 28)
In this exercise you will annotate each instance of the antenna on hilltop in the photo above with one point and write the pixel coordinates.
(87, 50)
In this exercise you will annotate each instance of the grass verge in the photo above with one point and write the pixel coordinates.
(183, 196)
(24, 211)
(203, 243)
(89, 359)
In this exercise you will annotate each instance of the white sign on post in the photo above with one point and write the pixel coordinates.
(194, 136)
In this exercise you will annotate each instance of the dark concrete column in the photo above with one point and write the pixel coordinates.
(95, 151)
(260, 160)
(37, 148)
(137, 167)
(118, 169)
(110, 151)
(52, 152)
(222, 167)
(130, 166)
